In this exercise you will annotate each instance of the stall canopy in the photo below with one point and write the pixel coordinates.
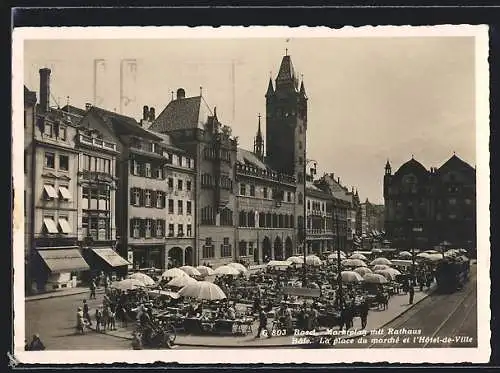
(302, 292)
(63, 260)
(111, 257)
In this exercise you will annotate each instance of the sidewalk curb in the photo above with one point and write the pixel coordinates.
(33, 298)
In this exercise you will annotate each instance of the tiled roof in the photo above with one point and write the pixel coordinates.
(122, 124)
(74, 110)
(184, 113)
(247, 157)
(167, 142)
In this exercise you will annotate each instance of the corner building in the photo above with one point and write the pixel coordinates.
(427, 208)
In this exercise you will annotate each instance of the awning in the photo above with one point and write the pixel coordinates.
(65, 194)
(63, 260)
(65, 227)
(50, 190)
(111, 257)
(50, 225)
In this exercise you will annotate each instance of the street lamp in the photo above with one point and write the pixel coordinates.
(304, 222)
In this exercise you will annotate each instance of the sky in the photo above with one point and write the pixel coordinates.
(370, 99)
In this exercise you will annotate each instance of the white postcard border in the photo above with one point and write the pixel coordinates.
(260, 355)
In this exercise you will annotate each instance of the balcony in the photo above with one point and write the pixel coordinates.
(96, 143)
(315, 231)
(95, 176)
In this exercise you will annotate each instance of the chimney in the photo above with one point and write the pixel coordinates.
(88, 105)
(338, 180)
(44, 90)
(145, 112)
(152, 114)
(181, 93)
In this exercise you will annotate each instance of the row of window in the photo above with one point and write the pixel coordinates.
(450, 201)
(54, 130)
(265, 220)
(154, 198)
(174, 159)
(62, 193)
(97, 164)
(316, 206)
(264, 192)
(220, 154)
(209, 181)
(208, 250)
(156, 172)
(51, 226)
(96, 227)
(50, 161)
(245, 248)
(149, 228)
(208, 216)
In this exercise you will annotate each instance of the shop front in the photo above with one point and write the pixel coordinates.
(147, 256)
(105, 260)
(57, 268)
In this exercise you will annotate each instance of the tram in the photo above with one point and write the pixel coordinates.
(452, 273)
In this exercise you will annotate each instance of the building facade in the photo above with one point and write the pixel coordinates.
(266, 208)
(55, 259)
(152, 180)
(194, 127)
(319, 218)
(428, 208)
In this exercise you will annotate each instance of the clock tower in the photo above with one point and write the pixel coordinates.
(286, 127)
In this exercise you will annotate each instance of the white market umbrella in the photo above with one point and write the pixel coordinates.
(385, 261)
(358, 256)
(431, 251)
(227, 270)
(404, 254)
(295, 259)
(182, 281)
(173, 272)
(388, 274)
(353, 263)
(374, 278)
(333, 256)
(205, 271)
(239, 267)
(127, 284)
(203, 290)
(313, 260)
(380, 267)
(191, 271)
(423, 255)
(143, 278)
(350, 276)
(363, 270)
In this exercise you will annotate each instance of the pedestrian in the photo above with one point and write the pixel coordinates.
(80, 321)
(36, 344)
(263, 324)
(92, 289)
(412, 293)
(86, 314)
(98, 320)
(363, 314)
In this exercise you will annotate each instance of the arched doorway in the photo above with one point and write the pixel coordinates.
(278, 249)
(188, 256)
(266, 249)
(175, 256)
(288, 247)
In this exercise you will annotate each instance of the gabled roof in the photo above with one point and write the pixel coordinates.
(123, 125)
(455, 164)
(182, 113)
(246, 157)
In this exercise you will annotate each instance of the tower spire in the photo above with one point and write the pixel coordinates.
(258, 146)
(270, 88)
